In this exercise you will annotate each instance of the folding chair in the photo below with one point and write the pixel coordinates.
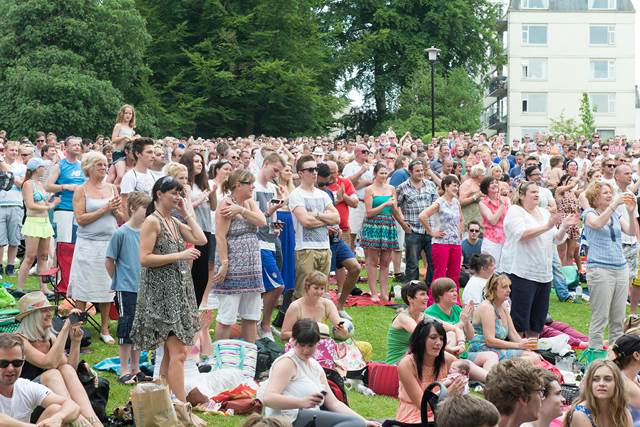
(58, 278)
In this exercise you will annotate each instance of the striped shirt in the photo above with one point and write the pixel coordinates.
(412, 201)
(605, 244)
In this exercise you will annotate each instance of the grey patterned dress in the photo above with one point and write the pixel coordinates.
(166, 299)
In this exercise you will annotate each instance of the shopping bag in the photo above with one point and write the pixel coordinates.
(152, 405)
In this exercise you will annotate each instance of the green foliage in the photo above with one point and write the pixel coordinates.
(564, 126)
(68, 65)
(588, 125)
(243, 67)
(458, 103)
(381, 43)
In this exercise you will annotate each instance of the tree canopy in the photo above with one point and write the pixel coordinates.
(219, 67)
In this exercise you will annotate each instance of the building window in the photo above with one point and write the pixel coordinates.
(535, 4)
(534, 33)
(603, 69)
(534, 69)
(602, 34)
(534, 102)
(603, 4)
(606, 134)
(603, 102)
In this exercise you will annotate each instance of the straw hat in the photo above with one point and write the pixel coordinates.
(31, 302)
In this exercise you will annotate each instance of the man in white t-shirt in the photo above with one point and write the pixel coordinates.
(19, 397)
(312, 211)
(11, 210)
(360, 173)
(140, 177)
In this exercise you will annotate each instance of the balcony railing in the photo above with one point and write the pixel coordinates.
(498, 86)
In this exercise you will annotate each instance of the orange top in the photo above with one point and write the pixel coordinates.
(408, 412)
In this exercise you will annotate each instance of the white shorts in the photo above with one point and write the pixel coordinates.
(356, 218)
(492, 248)
(248, 306)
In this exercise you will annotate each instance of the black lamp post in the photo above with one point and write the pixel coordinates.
(432, 54)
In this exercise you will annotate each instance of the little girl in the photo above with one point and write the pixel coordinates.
(123, 131)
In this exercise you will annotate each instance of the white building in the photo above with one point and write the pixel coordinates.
(557, 50)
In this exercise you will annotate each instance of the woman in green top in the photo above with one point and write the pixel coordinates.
(415, 296)
(447, 310)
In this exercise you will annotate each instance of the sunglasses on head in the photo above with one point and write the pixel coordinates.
(15, 363)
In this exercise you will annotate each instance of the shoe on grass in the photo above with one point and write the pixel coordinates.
(265, 334)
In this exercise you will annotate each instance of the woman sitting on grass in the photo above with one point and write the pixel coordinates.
(602, 399)
(45, 359)
(297, 386)
(494, 330)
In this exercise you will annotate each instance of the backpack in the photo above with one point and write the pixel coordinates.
(336, 382)
(268, 352)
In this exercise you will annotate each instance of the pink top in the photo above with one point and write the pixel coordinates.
(494, 232)
(407, 411)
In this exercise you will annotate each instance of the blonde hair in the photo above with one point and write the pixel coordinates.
(174, 168)
(477, 170)
(317, 278)
(593, 191)
(236, 177)
(31, 327)
(90, 159)
(120, 116)
(136, 200)
(617, 408)
(491, 287)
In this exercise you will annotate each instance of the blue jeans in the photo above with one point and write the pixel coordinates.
(415, 243)
(559, 284)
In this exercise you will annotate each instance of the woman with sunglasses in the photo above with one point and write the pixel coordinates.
(607, 271)
(238, 269)
(167, 313)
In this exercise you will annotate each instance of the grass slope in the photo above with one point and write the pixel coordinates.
(371, 325)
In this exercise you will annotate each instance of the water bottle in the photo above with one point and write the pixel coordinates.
(578, 298)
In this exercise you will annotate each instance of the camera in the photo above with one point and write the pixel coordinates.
(77, 318)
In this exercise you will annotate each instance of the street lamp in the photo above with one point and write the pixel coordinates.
(432, 54)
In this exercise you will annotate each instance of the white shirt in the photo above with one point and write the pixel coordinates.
(353, 168)
(138, 181)
(13, 197)
(626, 239)
(583, 163)
(474, 290)
(545, 197)
(27, 395)
(532, 258)
(315, 201)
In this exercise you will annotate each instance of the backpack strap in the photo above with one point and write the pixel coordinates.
(430, 400)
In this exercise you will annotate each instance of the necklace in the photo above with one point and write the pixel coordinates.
(170, 225)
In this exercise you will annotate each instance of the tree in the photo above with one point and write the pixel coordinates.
(564, 126)
(67, 65)
(236, 68)
(588, 124)
(381, 44)
(458, 103)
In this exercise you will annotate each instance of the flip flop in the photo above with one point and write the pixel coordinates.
(107, 339)
(142, 378)
(128, 379)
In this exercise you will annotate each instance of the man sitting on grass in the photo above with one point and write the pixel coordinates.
(20, 397)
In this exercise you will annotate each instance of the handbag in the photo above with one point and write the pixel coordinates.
(430, 401)
(97, 389)
(382, 378)
(235, 354)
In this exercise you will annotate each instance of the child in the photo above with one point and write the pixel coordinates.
(458, 368)
(123, 266)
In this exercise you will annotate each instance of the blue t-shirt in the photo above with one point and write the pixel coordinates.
(124, 249)
(398, 177)
(468, 250)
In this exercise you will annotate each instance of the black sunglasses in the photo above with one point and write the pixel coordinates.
(322, 184)
(15, 363)
(312, 170)
(474, 231)
(611, 166)
(246, 182)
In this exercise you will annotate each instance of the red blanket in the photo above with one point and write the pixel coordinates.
(363, 300)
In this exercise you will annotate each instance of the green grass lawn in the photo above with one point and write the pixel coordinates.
(371, 325)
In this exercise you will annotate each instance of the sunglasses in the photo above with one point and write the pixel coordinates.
(235, 158)
(474, 231)
(610, 166)
(311, 170)
(246, 182)
(39, 140)
(15, 363)
(25, 154)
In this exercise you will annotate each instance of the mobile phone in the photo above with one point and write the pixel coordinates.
(277, 201)
(278, 224)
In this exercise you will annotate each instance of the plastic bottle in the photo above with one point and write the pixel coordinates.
(578, 297)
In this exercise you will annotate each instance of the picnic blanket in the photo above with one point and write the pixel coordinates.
(363, 300)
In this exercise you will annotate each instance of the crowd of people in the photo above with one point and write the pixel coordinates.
(256, 228)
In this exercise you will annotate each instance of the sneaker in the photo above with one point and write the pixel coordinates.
(275, 331)
(263, 334)
(585, 297)
(344, 315)
(570, 299)
(33, 270)
(10, 270)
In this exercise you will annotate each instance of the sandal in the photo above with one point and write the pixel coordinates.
(107, 339)
(141, 377)
(128, 379)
